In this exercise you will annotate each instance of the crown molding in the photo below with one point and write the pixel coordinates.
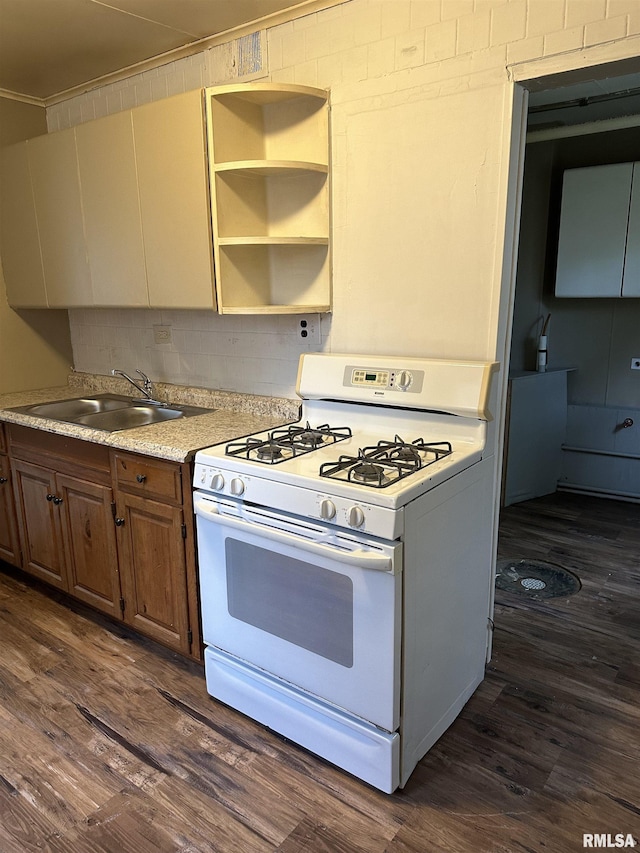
(24, 99)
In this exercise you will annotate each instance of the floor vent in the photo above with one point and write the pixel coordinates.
(535, 580)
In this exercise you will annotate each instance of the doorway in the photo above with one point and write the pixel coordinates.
(565, 426)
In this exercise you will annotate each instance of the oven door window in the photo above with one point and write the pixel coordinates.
(305, 604)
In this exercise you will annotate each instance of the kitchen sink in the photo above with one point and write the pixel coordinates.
(69, 410)
(110, 412)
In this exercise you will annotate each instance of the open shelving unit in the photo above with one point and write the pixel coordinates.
(269, 172)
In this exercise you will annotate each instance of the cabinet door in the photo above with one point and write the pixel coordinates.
(40, 524)
(111, 209)
(56, 187)
(20, 250)
(631, 280)
(153, 570)
(174, 199)
(593, 230)
(89, 538)
(9, 547)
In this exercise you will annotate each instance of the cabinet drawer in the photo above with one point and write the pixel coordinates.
(143, 475)
(3, 441)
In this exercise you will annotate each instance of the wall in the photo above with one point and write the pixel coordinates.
(35, 346)
(422, 112)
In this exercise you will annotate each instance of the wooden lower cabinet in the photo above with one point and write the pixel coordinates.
(9, 543)
(40, 527)
(156, 545)
(152, 569)
(89, 539)
(111, 529)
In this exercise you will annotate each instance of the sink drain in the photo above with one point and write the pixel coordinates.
(536, 580)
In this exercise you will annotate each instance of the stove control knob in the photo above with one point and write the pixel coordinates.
(327, 509)
(355, 517)
(237, 487)
(217, 482)
(403, 380)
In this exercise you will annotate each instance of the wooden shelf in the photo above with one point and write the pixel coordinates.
(273, 241)
(277, 309)
(266, 168)
(269, 171)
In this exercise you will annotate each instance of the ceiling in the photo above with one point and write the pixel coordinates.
(48, 47)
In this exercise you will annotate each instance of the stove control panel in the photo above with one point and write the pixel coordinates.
(333, 509)
(383, 379)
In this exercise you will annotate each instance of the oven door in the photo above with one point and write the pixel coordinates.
(309, 604)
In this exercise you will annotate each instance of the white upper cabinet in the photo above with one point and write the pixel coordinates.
(598, 247)
(113, 212)
(171, 206)
(20, 249)
(269, 166)
(53, 163)
(171, 157)
(113, 229)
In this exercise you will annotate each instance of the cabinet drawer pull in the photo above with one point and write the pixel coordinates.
(141, 477)
(50, 497)
(57, 501)
(3, 480)
(119, 522)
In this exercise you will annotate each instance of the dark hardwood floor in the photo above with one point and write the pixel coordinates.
(110, 744)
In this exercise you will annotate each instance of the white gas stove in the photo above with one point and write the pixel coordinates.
(336, 552)
(355, 461)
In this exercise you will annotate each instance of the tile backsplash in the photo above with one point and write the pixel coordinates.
(249, 354)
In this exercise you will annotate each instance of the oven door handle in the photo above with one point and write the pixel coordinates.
(359, 557)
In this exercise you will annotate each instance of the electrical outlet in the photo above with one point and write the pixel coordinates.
(162, 334)
(310, 329)
(635, 364)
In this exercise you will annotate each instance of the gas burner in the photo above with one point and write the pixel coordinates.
(270, 451)
(416, 450)
(286, 442)
(267, 451)
(367, 472)
(310, 438)
(405, 453)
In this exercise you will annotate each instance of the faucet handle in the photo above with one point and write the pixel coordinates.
(147, 383)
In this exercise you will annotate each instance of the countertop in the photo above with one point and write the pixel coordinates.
(235, 415)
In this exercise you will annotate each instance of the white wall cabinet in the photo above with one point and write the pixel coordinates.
(599, 239)
(173, 184)
(113, 212)
(111, 209)
(269, 171)
(21, 256)
(53, 166)
(126, 211)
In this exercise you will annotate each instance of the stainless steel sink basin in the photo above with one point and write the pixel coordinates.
(109, 412)
(64, 410)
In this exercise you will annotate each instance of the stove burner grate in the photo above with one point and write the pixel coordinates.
(286, 442)
(386, 463)
(308, 437)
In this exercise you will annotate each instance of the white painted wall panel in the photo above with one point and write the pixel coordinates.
(414, 260)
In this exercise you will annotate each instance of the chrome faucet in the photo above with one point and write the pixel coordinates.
(146, 389)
